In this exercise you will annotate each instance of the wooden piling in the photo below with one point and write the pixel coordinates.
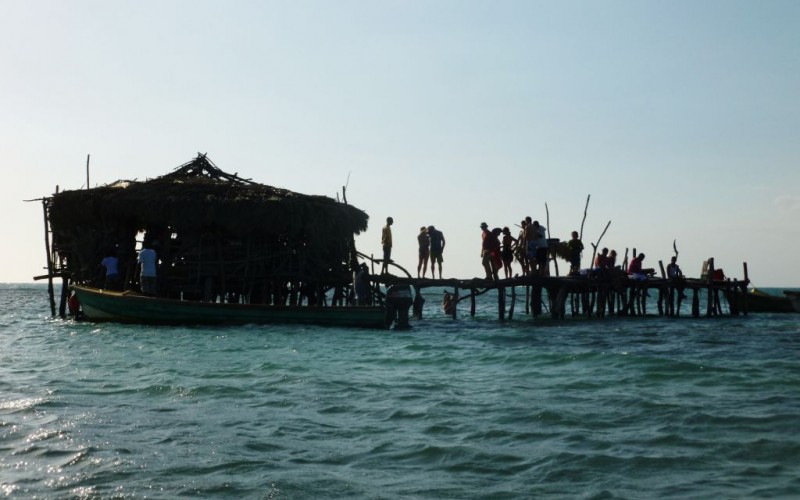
(501, 303)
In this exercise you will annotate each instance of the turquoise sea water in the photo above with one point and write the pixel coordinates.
(472, 408)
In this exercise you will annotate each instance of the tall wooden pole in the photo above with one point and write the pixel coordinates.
(87, 171)
(50, 291)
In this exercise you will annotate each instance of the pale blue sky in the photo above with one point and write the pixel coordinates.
(680, 118)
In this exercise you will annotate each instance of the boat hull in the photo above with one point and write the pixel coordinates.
(758, 301)
(126, 307)
(794, 298)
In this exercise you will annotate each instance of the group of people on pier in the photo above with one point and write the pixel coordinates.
(431, 249)
(531, 249)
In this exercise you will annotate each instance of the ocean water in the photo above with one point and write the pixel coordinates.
(472, 408)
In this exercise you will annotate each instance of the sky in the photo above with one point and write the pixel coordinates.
(680, 119)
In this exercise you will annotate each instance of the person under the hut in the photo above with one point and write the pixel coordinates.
(148, 264)
(110, 264)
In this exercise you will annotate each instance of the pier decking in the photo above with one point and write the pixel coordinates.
(598, 294)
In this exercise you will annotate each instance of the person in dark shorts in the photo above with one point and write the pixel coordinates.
(437, 249)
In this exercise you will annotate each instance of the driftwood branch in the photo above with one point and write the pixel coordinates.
(585, 210)
(595, 245)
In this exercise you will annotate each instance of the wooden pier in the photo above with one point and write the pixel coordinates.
(596, 295)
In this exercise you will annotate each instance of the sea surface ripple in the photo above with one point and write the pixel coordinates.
(471, 408)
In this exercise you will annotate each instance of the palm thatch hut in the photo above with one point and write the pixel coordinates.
(219, 237)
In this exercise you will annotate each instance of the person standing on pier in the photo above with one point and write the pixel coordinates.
(575, 248)
(386, 242)
(521, 249)
(507, 252)
(437, 249)
(538, 246)
(424, 240)
(486, 256)
(530, 244)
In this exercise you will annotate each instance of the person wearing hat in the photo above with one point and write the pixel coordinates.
(424, 251)
(437, 249)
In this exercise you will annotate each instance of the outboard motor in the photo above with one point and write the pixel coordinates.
(398, 302)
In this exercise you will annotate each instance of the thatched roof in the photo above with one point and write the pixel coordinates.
(199, 197)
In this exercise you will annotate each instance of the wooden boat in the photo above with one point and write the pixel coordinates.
(131, 307)
(794, 298)
(760, 301)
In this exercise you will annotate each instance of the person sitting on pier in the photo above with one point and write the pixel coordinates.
(437, 249)
(575, 246)
(673, 270)
(424, 241)
(612, 259)
(635, 270)
(507, 253)
(386, 242)
(601, 261)
(675, 274)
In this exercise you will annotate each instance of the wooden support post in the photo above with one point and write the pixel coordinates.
(695, 303)
(643, 299)
(513, 302)
(536, 299)
(455, 309)
(743, 288)
(733, 294)
(661, 296)
(472, 302)
(50, 291)
(419, 301)
(557, 312)
(602, 301)
(527, 299)
(709, 294)
(501, 303)
(62, 307)
(661, 266)
(670, 300)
